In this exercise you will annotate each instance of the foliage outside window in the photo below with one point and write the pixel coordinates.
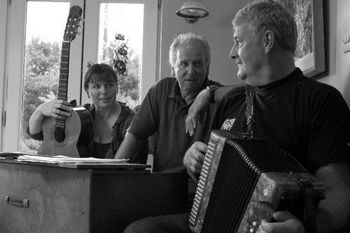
(126, 64)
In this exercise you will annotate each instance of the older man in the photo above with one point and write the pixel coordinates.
(166, 104)
(309, 119)
(163, 112)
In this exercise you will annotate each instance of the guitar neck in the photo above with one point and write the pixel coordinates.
(64, 71)
(63, 78)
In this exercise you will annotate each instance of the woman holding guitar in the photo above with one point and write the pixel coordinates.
(111, 118)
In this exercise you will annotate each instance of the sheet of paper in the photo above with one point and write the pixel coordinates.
(65, 159)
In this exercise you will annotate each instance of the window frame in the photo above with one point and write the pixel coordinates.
(3, 24)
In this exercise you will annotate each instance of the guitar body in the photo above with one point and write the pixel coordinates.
(77, 135)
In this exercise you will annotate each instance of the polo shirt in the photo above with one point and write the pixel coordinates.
(163, 112)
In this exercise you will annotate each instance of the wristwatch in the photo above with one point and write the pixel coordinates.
(212, 89)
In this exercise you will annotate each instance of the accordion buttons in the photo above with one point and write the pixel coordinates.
(253, 227)
(266, 192)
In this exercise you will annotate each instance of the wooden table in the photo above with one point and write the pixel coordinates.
(47, 198)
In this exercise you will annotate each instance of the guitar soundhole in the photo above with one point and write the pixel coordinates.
(59, 134)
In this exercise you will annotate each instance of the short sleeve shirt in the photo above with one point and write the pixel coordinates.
(163, 111)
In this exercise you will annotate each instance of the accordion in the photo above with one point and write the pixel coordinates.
(244, 181)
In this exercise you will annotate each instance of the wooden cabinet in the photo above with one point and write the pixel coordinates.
(52, 199)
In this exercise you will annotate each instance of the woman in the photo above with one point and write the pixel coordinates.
(111, 118)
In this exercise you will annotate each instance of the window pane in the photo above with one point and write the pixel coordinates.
(120, 42)
(44, 33)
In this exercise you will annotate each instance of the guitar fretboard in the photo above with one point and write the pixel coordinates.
(63, 78)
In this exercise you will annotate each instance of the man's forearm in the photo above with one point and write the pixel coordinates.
(333, 211)
(128, 147)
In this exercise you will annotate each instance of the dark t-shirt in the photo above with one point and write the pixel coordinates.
(163, 111)
(309, 119)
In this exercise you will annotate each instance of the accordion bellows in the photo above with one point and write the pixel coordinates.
(243, 181)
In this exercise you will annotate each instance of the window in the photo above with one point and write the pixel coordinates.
(34, 50)
(121, 16)
(120, 43)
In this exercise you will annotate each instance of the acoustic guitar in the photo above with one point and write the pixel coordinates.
(68, 136)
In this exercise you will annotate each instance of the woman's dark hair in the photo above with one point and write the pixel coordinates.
(99, 71)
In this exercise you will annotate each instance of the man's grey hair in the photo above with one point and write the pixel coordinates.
(265, 15)
(184, 39)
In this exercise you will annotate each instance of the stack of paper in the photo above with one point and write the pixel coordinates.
(64, 159)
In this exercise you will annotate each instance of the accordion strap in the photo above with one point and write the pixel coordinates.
(249, 100)
(310, 221)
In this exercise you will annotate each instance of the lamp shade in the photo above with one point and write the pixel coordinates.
(192, 10)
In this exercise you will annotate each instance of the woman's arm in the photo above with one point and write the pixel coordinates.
(55, 108)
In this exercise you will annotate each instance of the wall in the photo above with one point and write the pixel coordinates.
(218, 31)
(339, 62)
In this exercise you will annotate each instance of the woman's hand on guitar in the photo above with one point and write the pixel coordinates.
(56, 108)
(285, 222)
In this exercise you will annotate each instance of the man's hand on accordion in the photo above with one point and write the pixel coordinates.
(194, 158)
(285, 222)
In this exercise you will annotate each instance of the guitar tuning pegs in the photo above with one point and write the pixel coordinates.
(81, 23)
(79, 29)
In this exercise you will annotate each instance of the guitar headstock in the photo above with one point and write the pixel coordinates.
(72, 24)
